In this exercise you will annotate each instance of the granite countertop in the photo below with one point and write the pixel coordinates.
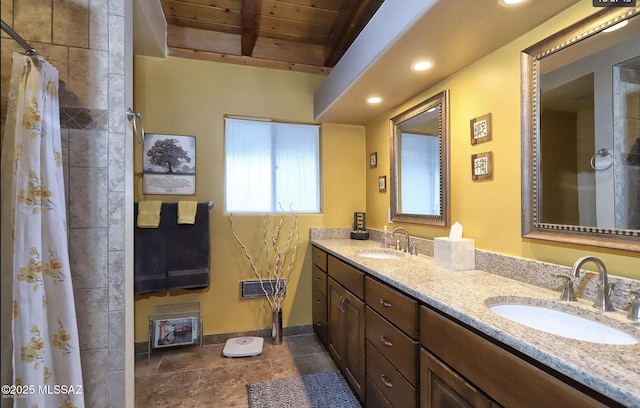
(612, 370)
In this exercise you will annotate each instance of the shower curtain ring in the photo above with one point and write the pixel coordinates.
(132, 116)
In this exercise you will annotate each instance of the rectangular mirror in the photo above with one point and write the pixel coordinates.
(420, 163)
(581, 133)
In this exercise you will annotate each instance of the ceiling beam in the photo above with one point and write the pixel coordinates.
(250, 12)
(345, 29)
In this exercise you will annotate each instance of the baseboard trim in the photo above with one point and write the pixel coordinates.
(221, 338)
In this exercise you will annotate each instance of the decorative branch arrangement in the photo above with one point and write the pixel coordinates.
(280, 253)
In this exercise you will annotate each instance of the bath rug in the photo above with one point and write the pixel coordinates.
(322, 390)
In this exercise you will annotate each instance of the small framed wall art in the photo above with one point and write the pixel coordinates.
(482, 166)
(373, 160)
(481, 129)
(382, 184)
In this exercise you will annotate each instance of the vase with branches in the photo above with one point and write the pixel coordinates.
(278, 252)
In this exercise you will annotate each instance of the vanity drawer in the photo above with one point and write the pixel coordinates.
(375, 397)
(319, 300)
(320, 326)
(516, 383)
(398, 348)
(389, 381)
(396, 307)
(319, 258)
(319, 279)
(348, 276)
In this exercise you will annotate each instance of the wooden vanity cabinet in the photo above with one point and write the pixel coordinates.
(346, 317)
(442, 387)
(392, 348)
(319, 293)
(461, 368)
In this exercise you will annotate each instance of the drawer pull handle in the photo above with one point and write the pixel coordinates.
(385, 303)
(386, 381)
(386, 341)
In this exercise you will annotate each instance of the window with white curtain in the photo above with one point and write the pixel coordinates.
(269, 165)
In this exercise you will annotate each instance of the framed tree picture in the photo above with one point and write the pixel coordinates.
(169, 164)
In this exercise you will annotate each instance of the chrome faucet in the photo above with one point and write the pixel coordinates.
(603, 301)
(568, 293)
(406, 237)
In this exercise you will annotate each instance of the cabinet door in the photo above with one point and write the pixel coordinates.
(336, 337)
(353, 330)
(346, 334)
(441, 387)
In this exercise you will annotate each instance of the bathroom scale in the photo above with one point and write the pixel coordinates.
(243, 347)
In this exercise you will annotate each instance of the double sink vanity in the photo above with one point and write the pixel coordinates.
(407, 333)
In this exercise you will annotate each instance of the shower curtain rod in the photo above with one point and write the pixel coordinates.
(28, 49)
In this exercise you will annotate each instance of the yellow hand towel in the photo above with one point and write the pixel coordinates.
(187, 212)
(149, 214)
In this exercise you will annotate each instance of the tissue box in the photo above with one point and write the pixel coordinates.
(454, 254)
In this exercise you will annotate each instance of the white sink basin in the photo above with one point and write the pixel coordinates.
(563, 324)
(379, 255)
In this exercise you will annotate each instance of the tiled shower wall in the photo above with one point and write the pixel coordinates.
(627, 142)
(85, 41)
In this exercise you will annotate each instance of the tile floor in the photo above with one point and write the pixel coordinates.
(179, 378)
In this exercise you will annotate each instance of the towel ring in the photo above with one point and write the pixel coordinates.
(132, 116)
(601, 153)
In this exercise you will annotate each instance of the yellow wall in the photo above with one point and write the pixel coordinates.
(186, 97)
(488, 210)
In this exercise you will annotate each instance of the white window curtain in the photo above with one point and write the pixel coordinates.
(35, 257)
(271, 165)
(420, 169)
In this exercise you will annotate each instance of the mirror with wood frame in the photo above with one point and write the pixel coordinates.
(419, 182)
(581, 133)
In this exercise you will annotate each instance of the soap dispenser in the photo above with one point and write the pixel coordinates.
(384, 241)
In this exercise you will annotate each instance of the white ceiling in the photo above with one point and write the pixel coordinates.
(451, 33)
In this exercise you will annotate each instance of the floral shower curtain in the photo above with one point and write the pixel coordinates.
(46, 355)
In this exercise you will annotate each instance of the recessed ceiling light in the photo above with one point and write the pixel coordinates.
(510, 3)
(374, 99)
(421, 65)
(616, 26)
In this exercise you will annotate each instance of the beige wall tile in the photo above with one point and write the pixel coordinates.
(99, 25)
(32, 20)
(88, 148)
(6, 10)
(89, 257)
(93, 326)
(116, 45)
(71, 22)
(88, 84)
(95, 377)
(87, 197)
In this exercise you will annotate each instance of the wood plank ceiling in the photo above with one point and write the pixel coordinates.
(297, 35)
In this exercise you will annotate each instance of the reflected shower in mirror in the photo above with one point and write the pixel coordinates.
(581, 133)
(420, 162)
